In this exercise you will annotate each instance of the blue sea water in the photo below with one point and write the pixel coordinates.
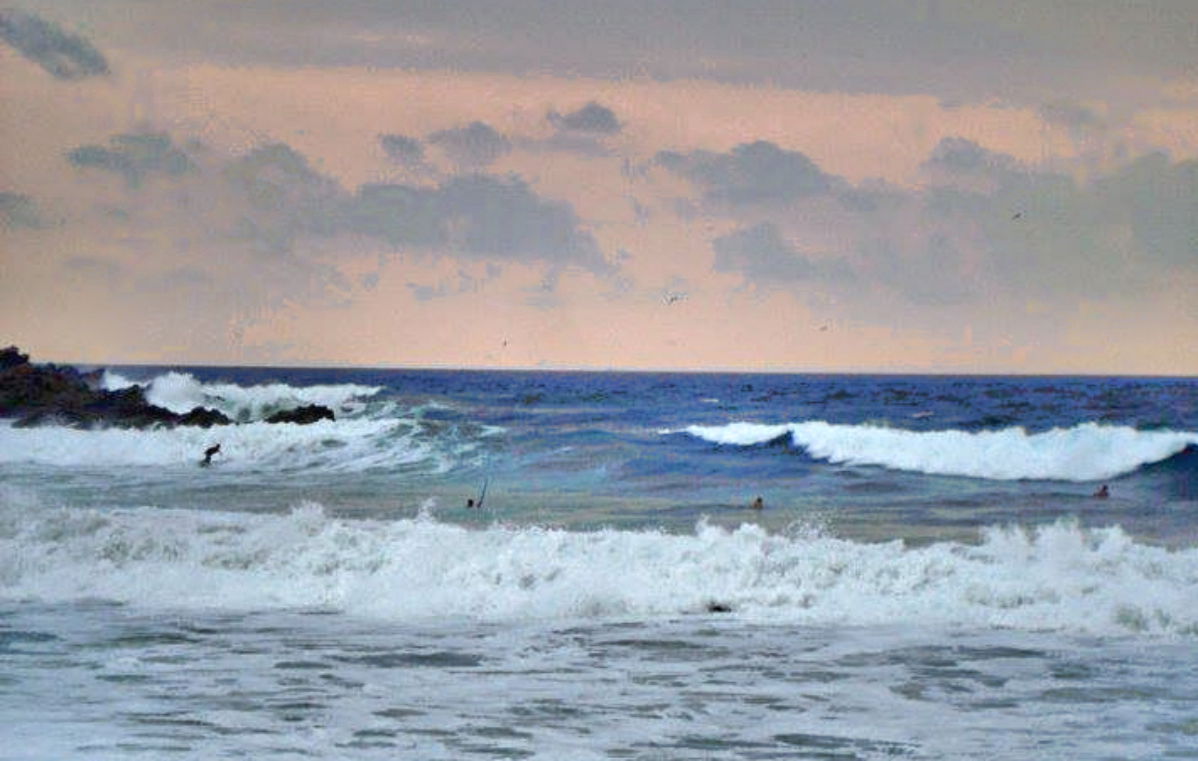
(930, 575)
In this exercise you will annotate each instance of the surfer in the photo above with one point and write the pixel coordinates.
(208, 455)
(1103, 492)
(757, 504)
(470, 503)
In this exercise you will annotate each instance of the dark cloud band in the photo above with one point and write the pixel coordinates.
(64, 55)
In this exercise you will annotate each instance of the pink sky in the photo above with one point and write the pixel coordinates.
(682, 202)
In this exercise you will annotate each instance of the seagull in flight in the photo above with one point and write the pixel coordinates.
(672, 298)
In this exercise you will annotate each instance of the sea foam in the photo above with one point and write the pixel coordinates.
(1085, 452)
(350, 444)
(1057, 577)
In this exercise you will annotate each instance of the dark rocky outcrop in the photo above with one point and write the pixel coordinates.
(203, 417)
(12, 357)
(51, 394)
(302, 415)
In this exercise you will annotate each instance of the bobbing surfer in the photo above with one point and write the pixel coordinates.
(481, 496)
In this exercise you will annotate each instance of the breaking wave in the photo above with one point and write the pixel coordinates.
(355, 445)
(1058, 577)
(180, 392)
(1085, 452)
(387, 435)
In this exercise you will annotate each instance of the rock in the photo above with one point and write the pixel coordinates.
(128, 408)
(52, 395)
(302, 415)
(28, 388)
(11, 357)
(204, 417)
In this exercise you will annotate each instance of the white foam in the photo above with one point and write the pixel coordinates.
(1086, 452)
(1058, 577)
(180, 392)
(348, 444)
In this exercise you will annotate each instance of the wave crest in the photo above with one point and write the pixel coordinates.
(1058, 577)
(181, 392)
(1085, 452)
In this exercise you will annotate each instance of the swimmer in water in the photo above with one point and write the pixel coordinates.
(1103, 492)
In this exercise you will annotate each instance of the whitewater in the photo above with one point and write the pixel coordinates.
(1085, 452)
(930, 577)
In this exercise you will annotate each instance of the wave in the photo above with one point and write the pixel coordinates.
(1058, 577)
(1085, 452)
(353, 445)
(181, 392)
(387, 435)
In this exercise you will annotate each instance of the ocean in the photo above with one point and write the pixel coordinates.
(929, 575)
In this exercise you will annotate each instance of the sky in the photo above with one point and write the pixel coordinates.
(994, 186)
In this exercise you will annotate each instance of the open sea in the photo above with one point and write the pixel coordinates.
(929, 576)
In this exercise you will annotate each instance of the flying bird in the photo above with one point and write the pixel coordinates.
(671, 298)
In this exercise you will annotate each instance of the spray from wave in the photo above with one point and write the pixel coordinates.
(1058, 577)
(180, 392)
(1085, 452)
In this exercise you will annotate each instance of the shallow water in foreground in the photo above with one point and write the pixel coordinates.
(94, 681)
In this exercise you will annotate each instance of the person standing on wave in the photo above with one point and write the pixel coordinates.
(208, 453)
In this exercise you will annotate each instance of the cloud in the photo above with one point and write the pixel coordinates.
(473, 146)
(474, 215)
(970, 51)
(1070, 114)
(133, 156)
(63, 55)
(1045, 233)
(503, 216)
(405, 151)
(1159, 199)
(95, 267)
(422, 292)
(930, 270)
(962, 156)
(19, 211)
(983, 229)
(276, 176)
(761, 255)
(271, 202)
(401, 215)
(466, 283)
(583, 131)
(280, 196)
(591, 118)
(758, 172)
(182, 278)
